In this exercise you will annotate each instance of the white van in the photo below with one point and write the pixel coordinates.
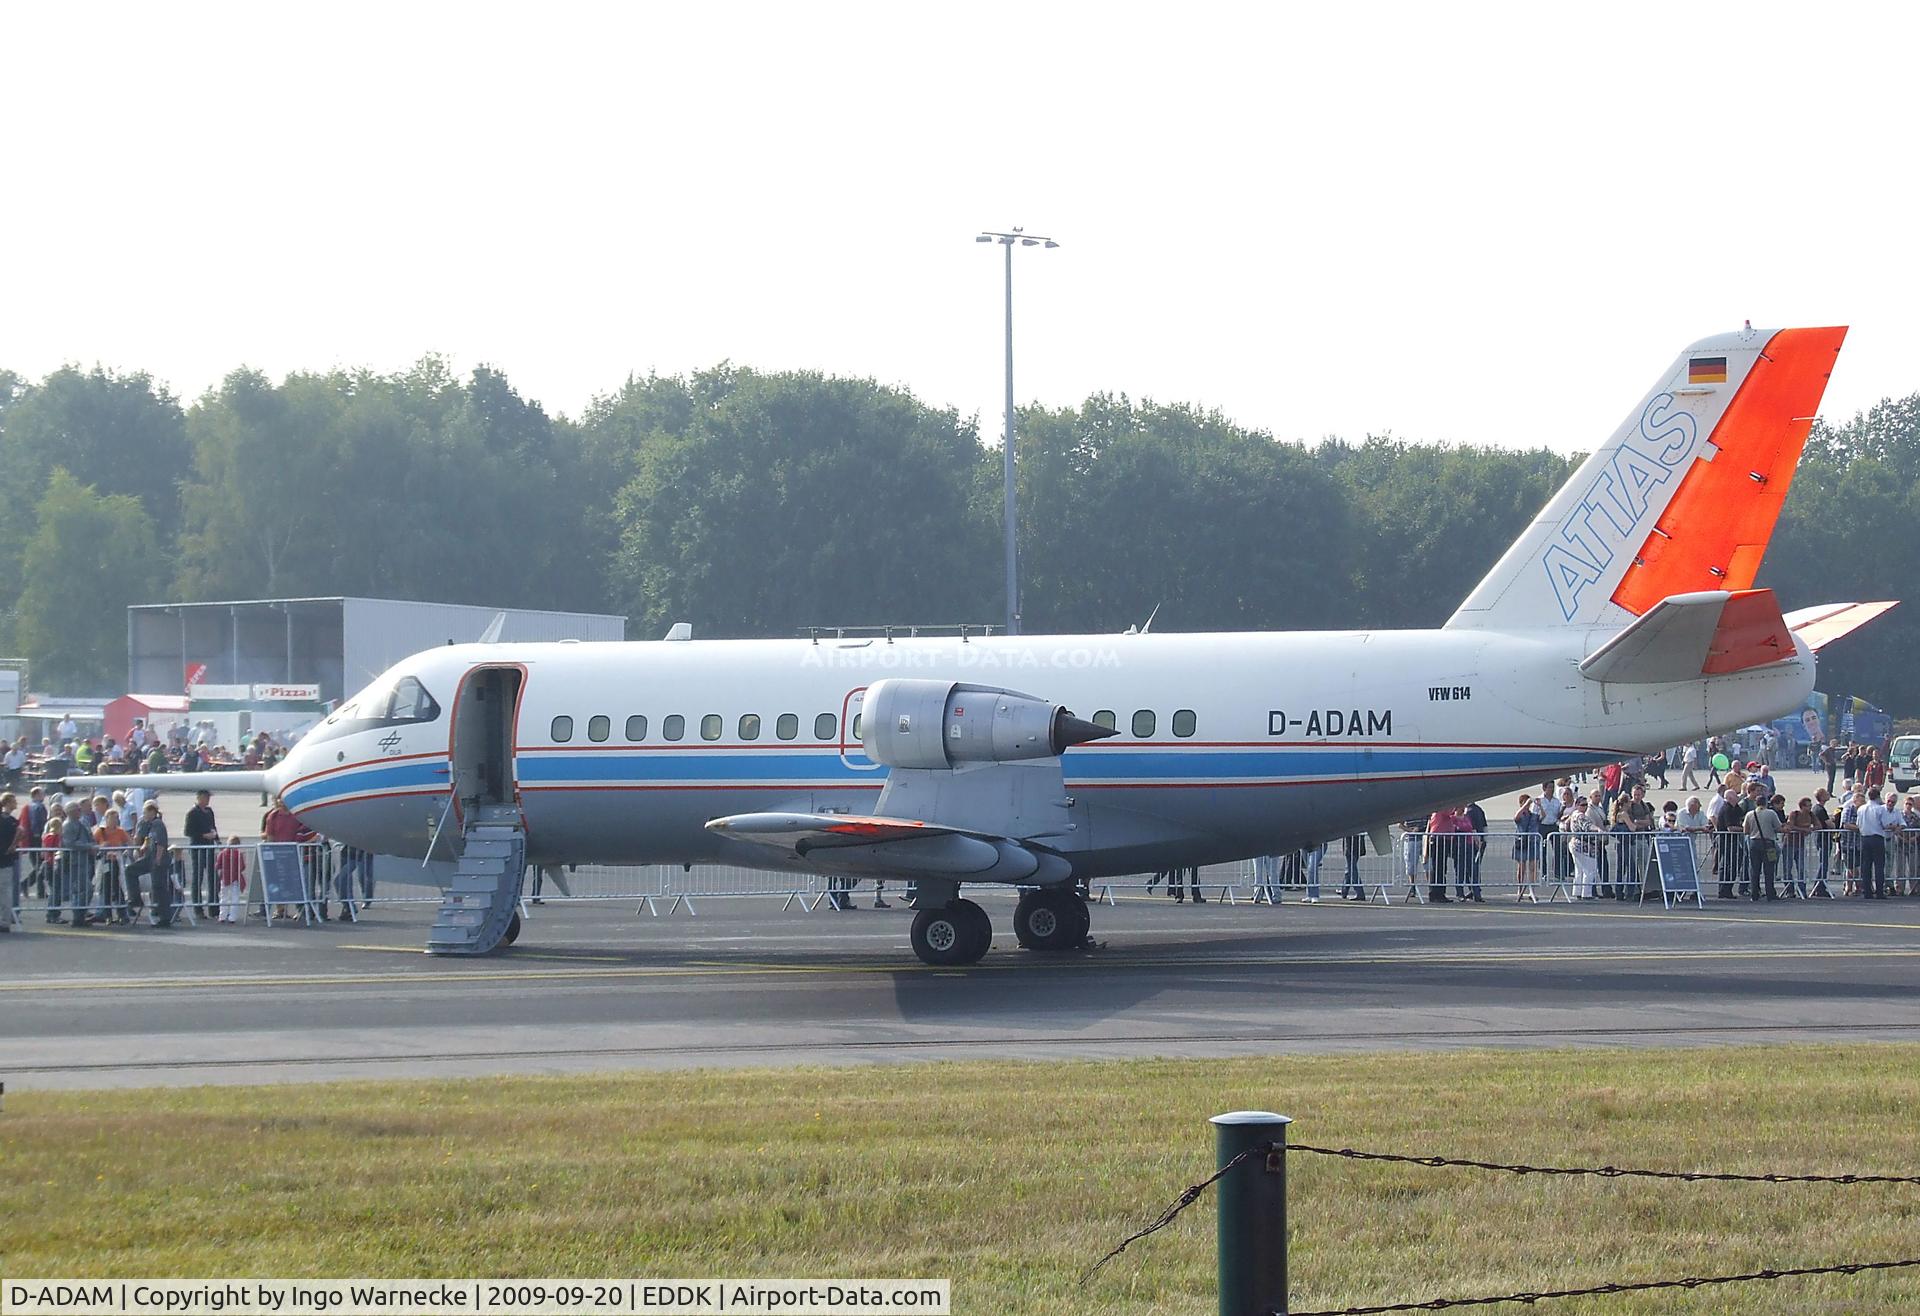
(1901, 772)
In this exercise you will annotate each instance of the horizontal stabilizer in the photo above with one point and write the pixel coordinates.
(1686, 637)
(1822, 624)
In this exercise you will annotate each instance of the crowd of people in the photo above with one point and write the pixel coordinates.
(112, 859)
(1594, 842)
(66, 751)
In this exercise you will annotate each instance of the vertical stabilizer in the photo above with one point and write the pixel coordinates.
(1682, 498)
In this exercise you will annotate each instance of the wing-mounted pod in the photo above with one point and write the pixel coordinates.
(974, 790)
(934, 725)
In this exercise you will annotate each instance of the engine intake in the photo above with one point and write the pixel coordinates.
(913, 723)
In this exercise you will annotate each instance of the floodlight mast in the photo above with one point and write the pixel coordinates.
(1007, 240)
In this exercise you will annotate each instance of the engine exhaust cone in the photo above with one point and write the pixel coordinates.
(1071, 730)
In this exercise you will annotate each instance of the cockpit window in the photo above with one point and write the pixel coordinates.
(412, 703)
(387, 702)
(404, 700)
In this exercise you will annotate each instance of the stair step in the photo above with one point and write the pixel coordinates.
(480, 899)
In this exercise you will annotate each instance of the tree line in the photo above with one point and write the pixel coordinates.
(754, 504)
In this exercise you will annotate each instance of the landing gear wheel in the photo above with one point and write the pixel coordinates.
(1051, 919)
(979, 932)
(957, 933)
(512, 934)
(1082, 922)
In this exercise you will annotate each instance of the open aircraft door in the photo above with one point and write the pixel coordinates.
(483, 740)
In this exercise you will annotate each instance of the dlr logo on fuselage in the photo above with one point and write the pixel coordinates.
(1607, 517)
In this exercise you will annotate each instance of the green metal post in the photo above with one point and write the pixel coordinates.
(1253, 1213)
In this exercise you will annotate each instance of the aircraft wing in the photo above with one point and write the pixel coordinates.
(1685, 637)
(895, 847)
(1824, 623)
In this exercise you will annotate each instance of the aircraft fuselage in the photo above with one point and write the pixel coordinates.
(1227, 745)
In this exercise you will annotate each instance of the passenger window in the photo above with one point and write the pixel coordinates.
(599, 727)
(787, 726)
(1183, 722)
(637, 727)
(562, 729)
(749, 726)
(1143, 724)
(1105, 718)
(856, 727)
(710, 726)
(674, 726)
(823, 726)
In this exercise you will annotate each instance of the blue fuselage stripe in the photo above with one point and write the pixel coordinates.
(1173, 766)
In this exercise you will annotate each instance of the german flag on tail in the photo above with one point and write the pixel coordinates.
(1707, 370)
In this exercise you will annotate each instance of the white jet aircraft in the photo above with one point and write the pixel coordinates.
(1623, 619)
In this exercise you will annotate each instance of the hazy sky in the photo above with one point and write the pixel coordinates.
(1445, 221)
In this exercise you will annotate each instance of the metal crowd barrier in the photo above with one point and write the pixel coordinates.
(113, 884)
(110, 884)
(1561, 866)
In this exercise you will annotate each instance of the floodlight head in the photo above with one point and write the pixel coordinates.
(1029, 242)
(984, 237)
(1051, 244)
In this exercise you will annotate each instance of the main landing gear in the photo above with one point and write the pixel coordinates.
(1051, 918)
(956, 931)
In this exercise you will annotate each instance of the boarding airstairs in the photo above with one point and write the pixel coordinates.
(482, 906)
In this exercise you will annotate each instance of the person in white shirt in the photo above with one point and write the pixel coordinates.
(1878, 824)
(1587, 840)
(1552, 845)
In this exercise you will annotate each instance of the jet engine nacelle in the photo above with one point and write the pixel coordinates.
(909, 723)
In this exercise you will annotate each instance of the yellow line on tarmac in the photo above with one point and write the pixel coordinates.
(372, 979)
(1689, 915)
(564, 957)
(1544, 908)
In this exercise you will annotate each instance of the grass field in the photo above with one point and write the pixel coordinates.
(1007, 1178)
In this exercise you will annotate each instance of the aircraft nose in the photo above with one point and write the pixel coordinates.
(286, 770)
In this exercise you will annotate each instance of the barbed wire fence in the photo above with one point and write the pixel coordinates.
(1267, 1229)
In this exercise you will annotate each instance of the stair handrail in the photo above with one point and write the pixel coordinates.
(440, 826)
